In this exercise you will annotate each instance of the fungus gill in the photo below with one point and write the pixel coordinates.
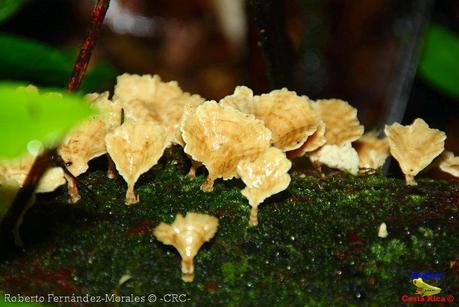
(15, 173)
(449, 163)
(340, 118)
(147, 98)
(289, 117)
(187, 234)
(414, 146)
(221, 136)
(266, 176)
(87, 141)
(135, 148)
(373, 151)
(342, 157)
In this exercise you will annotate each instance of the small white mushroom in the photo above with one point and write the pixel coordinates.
(449, 163)
(220, 136)
(266, 176)
(414, 146)
(342, 157)
(87, 141)
(12, 177)
(373, 151)
(289, 116)
(15, 173)
(382, 231)
(148, 98)
(187, 234)
(135, 148)
(341, 123)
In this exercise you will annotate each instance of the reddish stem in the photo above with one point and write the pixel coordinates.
(42, 162)
(84, 55)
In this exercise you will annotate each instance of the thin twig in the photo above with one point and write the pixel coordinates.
(269, 18)
(43, 161)
(84, 55)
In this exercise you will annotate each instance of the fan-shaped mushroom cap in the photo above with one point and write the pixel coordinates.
(340, 118)
(449, 163)
(266, 176)
(87, 141)
(15, 173)
(147, 98)
(373, 151)
(289, 117)
(342, 157)
(187, 234)
(414, 146)
(146, 88)
(110, 111)
(221, 136)
(83, 144)
(135, 148)
(242, 99)
(315, 141)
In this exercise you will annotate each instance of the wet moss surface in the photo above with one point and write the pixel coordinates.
(316, 243)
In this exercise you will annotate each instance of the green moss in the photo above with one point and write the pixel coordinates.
(316, 243)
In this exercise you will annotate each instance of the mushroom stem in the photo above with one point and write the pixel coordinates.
(253, 220)
(410, 180)
(208, 185)
(194, 166)
(111, 170)
(187, 270)
(318, 167)
(131, 198)
(72, 189)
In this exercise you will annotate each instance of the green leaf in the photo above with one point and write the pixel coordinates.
(30, 61)
(9, 7)
(42, 118)
(440, 60)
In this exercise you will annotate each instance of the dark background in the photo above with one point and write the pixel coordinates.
(357, 50)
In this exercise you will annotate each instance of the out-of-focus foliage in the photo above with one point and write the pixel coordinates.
(440, 61)
(30, 61)
(42, 118)
(9, 7)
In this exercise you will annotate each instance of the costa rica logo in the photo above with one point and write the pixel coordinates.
(424, 289)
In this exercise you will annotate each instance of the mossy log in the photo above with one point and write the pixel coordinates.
(316, 243)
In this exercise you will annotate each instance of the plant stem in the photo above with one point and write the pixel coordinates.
(43, 161)
(84, 55)
(269, 18)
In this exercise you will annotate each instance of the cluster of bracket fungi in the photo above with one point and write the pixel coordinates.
(247, 136)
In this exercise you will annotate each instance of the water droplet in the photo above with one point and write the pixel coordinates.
(288, 268)
(429, 244)
(34, 147)
(292, 238)
(249, 285)
(358, 295)
(339, 272)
